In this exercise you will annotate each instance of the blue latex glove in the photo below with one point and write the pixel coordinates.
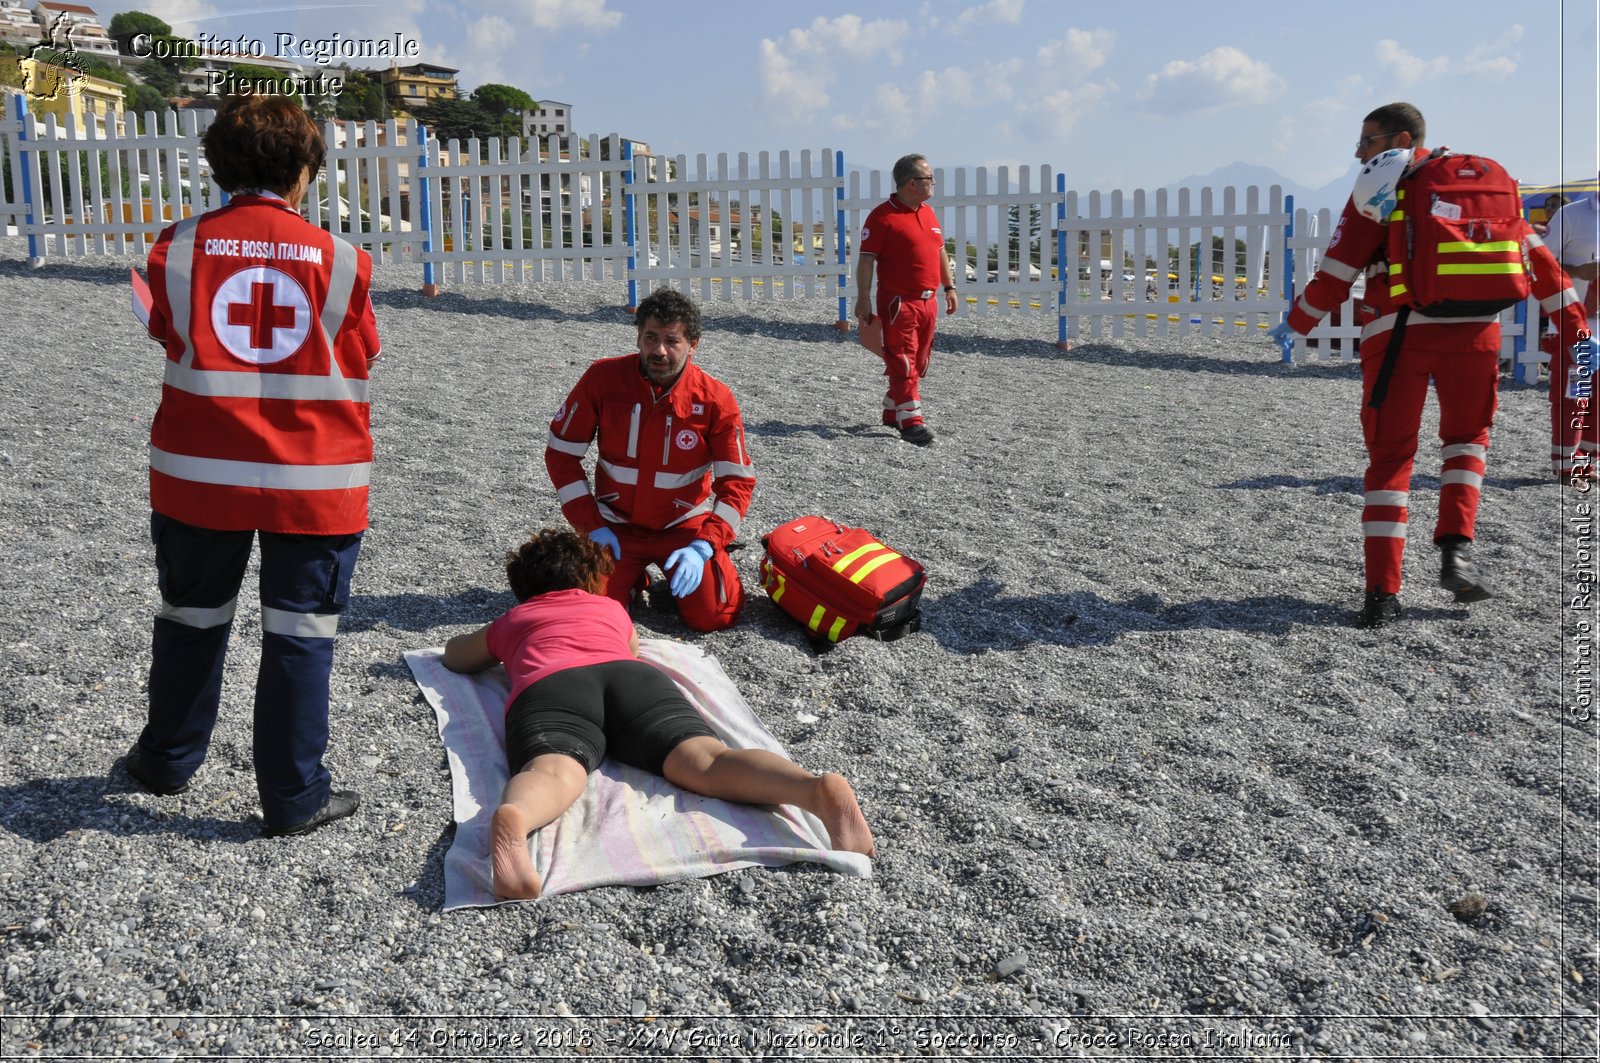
(608, 539)
(688, 566)
(1280, 332)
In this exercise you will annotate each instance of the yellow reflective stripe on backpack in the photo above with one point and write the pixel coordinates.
(844, 562)
(777, 594)
(872, 566)
(1447, 268)
(833, 632)
(1456, 247)
(816, 617)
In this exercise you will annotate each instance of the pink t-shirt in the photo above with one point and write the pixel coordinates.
(557, 630)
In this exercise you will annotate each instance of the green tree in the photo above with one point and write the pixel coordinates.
(160, 77)
(142, 98)
(362, 98)
(132, 23)
(503, 105)
(462, 120)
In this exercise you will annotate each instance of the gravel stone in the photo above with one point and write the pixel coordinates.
(1136, 733)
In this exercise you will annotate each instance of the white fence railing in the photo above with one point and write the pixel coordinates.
(1105, 265)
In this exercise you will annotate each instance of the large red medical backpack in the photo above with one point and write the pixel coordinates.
(1457, 243)
(840, 581)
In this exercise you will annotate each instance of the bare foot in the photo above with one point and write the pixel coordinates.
(514, 876)
(839, 812)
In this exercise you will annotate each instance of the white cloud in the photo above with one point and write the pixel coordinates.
(1223, 77)
(892, 106)
(797, 69)
(1060, 112)
(1000, 79)
(489, 35)
(1083, 50)
(1486, 60)
(1409, 69)
(1347, 94)
(186, 17)
(569, 14)
(950, 87)
(1007, 12)
(850, 35)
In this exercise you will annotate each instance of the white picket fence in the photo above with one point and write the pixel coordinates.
(1104, 265)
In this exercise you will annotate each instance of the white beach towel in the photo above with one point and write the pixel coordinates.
(629, 827)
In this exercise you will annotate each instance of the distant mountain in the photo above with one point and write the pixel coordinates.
(1243, 174)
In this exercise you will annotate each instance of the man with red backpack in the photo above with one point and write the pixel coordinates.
(1472, 255)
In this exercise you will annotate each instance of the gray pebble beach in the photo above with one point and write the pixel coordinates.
(1139, 787)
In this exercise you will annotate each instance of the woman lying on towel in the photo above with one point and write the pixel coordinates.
(578, 692)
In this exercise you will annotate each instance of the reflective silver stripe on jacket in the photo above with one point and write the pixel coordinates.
(672, 480)
(633, 432)
(720, 469)
(1565, 297)
(729, 514)
(1464, 450)
(230, 385)
(577, 450)
(611, 515)
(260, 474)
(1385, 498)
(703, 507)
(197, 617)
(180, 284)
(1386, 322)
(574, 490)
(1309, 310)
(299, 625)
(622, 474)
(1339, 270)
(341, 282)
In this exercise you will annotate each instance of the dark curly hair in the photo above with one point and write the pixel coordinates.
(670, 307)
(262, 142)
(557, 559)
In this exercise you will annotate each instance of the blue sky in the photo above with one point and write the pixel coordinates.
(1116, 95)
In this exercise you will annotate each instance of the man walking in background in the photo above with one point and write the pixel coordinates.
(1574, 238)
(903, 245)
(1457, 349)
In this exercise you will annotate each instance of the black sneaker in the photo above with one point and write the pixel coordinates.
(1457, 572)
(139, 771)
(1380, 608)
(341, 803)
(918, 435)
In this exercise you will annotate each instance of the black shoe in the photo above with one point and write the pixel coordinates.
(341, 803)
(918, 435)
(1380, 608)
(1457, 572)
(139, 771)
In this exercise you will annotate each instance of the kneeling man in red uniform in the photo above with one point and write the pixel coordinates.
(673, 480)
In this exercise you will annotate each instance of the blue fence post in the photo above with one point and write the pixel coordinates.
(1519, 343)
(1061, 262)
(34, 213)
(430, 284)
(1288, 277)
(630, 224)
(843, 323)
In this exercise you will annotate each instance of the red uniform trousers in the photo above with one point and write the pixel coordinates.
(908, 326)
(712, 606)
(1467, 383)
(1574, 424)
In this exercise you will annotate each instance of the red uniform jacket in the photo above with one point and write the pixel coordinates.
(264, 419)
(1357, 248)
(677, 460)
(908, 245)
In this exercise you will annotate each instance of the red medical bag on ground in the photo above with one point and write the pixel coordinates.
(840, 581)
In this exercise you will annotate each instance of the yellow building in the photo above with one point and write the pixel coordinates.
(411, 87)
(62, 91)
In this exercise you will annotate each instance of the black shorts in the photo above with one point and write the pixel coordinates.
(628, 709)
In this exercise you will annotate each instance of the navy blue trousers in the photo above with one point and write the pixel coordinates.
(305, 585)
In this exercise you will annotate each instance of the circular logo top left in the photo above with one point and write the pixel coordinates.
(261, 315)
